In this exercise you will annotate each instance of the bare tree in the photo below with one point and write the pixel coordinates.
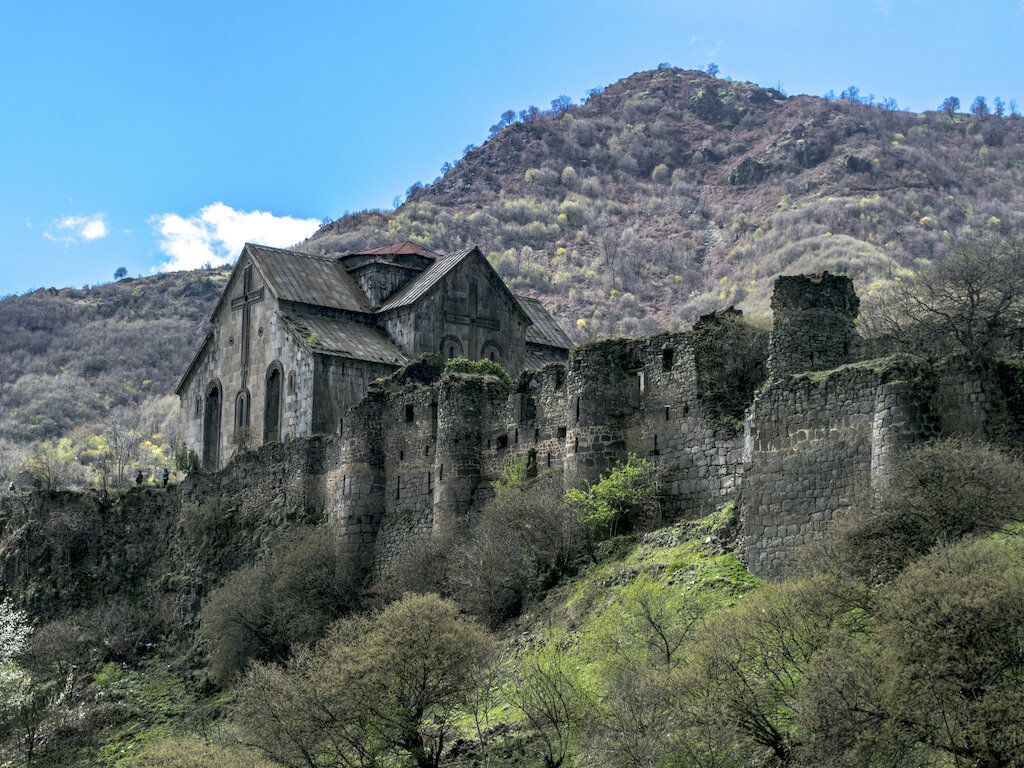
(971, 303)
(124, 433)
(551, 701)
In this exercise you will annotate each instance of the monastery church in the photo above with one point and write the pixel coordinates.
(298, 338)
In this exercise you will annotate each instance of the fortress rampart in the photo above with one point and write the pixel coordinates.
(419, 454)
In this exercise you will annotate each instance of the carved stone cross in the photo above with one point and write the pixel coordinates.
(243, 302)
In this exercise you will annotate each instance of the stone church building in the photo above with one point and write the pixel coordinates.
(298, 338)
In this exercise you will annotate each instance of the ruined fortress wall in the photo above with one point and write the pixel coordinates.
(529, 426)
(354, 488)
(419, 454)
(815, 443)
(639, 396)
(808, 453)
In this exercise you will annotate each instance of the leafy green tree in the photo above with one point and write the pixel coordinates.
(940, 678)
(186, 460)
(747, 664)
(552, 699)
(622, 499)
(387, 686)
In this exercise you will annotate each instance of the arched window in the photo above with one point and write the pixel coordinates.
(491, 351)
(242, 405)
(211, 426)
(451, 347)
(272, 404)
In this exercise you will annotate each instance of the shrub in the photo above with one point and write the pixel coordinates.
(661, 174)
(937, 493)
(480, 368)
(385, 687)
(525, 541)
(191, 752)
(303, 584)
(620, 501)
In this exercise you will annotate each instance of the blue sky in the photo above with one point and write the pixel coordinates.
(151, 134)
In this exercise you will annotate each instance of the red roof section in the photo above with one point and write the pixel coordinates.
(404, 248)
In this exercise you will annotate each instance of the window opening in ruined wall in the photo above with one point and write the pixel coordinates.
(667, 356)
(410, 414)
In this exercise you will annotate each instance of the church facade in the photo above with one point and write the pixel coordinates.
(296, 339)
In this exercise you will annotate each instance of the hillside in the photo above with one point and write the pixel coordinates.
(672, 192)
(665, 195)
(68, 356)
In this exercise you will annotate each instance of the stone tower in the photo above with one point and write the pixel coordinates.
(814, 323)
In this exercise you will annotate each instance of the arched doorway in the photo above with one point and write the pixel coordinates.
(211, 427)
(272, 406)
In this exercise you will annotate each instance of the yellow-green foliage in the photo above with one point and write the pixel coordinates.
(193, 752)
(618, 501)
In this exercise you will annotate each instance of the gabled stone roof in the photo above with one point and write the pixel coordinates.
(424, 281)
(307, 279)
(343, 338)
(544, 329)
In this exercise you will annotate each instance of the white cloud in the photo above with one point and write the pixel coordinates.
(71, 229)
(216, 234)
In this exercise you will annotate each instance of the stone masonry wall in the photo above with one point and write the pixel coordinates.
(815, 442)
(418, 455)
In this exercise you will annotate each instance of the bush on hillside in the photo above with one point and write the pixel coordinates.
(625, 498)
(261, 611)
(939, 678)
(524, 541)
(378, 689)
(937, 493)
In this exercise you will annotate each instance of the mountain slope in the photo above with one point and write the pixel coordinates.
(68, 356)
(672, 192)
